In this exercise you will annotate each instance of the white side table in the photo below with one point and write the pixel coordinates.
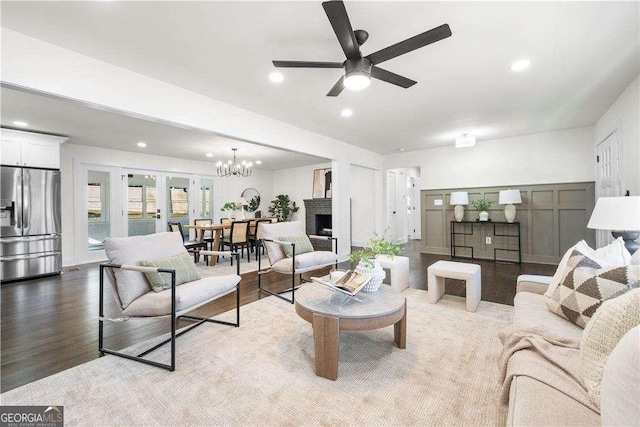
(470, 273)
(399, 270)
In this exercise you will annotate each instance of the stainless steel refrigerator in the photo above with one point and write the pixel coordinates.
(30, 232)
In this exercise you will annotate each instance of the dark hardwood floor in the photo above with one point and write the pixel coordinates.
(51, 324)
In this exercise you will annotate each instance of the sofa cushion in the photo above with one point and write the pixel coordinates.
(183, 265)
(613, 255)
(586, 285)
(302, 242)
(529, 307)
(272, 232)
(306, 262)
(635, 258)
(130, 251)
(621, 383)
(532, 283)
(533, 403)
(608, 325)
(188, 296)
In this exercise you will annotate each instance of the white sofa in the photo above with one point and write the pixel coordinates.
(532, 402)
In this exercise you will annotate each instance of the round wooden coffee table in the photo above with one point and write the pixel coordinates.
(331, 312)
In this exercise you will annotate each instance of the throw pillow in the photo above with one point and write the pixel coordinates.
(183, 264)
(613, 255)
(586, 285)
(621, 383)
(603, 332)
(302, 242)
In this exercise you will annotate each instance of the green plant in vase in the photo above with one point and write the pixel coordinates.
(282, 208)
(230, 206)
(482, 205)
(367, 259)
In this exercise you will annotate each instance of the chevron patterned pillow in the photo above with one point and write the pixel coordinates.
(585, 285)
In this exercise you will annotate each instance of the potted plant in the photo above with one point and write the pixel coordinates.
(482, 205)
(368, 262)
(232, 207)
(283, 208)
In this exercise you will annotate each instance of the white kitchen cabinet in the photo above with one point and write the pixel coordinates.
(30, 149)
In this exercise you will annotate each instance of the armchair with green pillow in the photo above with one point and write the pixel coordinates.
(290, 252)
(154, 276)
(562, 357)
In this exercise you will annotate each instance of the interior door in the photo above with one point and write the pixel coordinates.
(391, 204)
(177, 198)
(608, 178)
(143, 198)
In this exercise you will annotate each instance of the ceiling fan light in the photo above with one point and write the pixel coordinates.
(357, 80)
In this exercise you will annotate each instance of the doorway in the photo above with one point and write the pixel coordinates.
(609, 175)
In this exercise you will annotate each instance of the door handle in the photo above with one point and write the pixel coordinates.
(26, 184)
(17, 212)
(158, 216)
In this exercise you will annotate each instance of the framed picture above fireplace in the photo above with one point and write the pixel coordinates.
(322, 183)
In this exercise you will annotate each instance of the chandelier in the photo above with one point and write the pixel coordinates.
(233, 168)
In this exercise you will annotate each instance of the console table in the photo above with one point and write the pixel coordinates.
(514, 225)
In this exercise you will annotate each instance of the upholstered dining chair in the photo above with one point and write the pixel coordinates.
(149, 278)
(238, 238)
(194, 247)
(290, 252)
(253, 234)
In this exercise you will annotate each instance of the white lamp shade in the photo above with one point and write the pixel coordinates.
(243, 202)
(616, 213)
(509, 197)
(459, 198)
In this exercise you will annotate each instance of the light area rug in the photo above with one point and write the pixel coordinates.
(263, 374)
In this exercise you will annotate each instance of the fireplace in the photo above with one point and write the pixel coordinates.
(318, 222)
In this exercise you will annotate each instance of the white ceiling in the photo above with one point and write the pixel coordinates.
(98, 128)
(583, 55)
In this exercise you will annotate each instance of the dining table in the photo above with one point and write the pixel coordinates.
(217, 228)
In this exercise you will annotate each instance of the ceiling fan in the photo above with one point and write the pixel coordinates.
(358, 70)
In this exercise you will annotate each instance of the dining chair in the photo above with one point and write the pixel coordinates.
(238, 238)
(253, 235)
(204, 235)
(192, 246)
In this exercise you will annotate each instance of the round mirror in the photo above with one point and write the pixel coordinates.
(252, 196)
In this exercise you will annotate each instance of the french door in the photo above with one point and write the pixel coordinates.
(143, 198)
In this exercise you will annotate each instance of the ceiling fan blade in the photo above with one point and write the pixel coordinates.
(339, 20)
(306, 64)
(406, 46)
(337, 88)
(393, 78)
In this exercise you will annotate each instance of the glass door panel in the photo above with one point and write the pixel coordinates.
(142, 213)
(206, 198)
(177, 196)
(98, 209)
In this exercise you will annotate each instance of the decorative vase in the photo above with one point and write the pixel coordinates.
(484, 216)
(458, 211)
(376, 272)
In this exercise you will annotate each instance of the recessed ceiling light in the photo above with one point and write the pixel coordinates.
(142, 144)
(276, 77)
(520, 65)
(258, 162)
(465, 141)
(401, 149)
(20, 123)
(347, 112)
(209, 154)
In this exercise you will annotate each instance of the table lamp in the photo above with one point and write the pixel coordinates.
(621, 215)
(459, 199)
(509, 198)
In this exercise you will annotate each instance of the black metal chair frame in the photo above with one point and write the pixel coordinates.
(254, 237)
(293, 268)
(232, 245)
(200, 320)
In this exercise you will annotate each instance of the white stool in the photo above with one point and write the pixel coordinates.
(398, 270)
(454, 270)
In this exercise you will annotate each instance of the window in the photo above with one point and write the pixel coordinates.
(94, 201)
(151, 202)
(134, 202)
(206, 198)
(179, 203)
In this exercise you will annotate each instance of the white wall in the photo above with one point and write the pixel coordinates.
(297, 183)
(363, 192)
(31, 63)
(625, 114)
(550, 157)
(231, 189)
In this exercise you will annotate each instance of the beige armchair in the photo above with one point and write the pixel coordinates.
(136, 298)
(272, 236)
